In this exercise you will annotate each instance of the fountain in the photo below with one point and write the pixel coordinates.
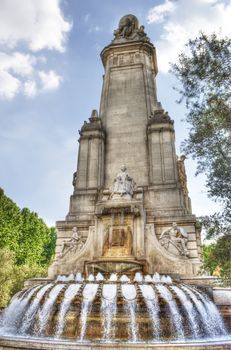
(94, 309)
(125, 272)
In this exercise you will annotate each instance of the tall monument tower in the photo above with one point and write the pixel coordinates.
(130, 210)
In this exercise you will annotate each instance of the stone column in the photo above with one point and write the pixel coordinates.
(161, 146)
(90, 169)
(128, 97)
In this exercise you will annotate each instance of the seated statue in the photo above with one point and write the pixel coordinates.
(175, 237)
(123, 183)
(129, 30)
(126, 27)
(74, 243)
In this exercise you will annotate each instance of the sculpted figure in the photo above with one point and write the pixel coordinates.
(74, 243)
(175, 237)
(129, 30)
(141, 33)
(126, 28)
(182, 173)
(123, 183)
(74, 178)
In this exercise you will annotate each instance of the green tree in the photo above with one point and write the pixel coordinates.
(12, 276)
(24, 233)
(10, 222)
(49, 248)
(7, 258)
(26, 247)
(204, 74)
(34, 238)
(217, 258)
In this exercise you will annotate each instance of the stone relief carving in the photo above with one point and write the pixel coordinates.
(129, 30)
(73, 244)
(175, 240)
(118, 242)
(123, 184)
(149, 229)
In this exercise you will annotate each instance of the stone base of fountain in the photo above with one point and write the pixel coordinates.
(128, 266)
(9, 343)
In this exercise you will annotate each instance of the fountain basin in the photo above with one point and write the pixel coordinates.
(145, 310)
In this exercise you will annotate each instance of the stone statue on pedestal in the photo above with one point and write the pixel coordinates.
(182, 174)
(129, 30)
(123, 184)
(74, 178)
(174, 240)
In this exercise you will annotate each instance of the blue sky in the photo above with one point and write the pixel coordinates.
(51, 78)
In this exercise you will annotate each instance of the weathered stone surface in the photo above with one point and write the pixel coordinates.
(133, 130)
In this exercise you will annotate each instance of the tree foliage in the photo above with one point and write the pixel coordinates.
(204, 72)
(217, 258)
(12, 276)
(26, 247)
(10, 222)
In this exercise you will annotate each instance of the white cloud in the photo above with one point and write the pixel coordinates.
(18, 63)
(30, 88)
(9, 85)
(37, 24)
(158, 13)
(12, 68)
(50, 80)
(184, 19)
(18, 72)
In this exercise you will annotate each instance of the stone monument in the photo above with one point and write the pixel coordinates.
(130, 210)
(129, 218)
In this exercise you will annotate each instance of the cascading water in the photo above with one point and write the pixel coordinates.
(129, 294)
(44, 313)
(176, 319)
(19, 303)
(153, 308)
(93, 308)
(108, 309)
(215, 321)
(29, 316)
(89, 293)
(189, 309)
(69, 295)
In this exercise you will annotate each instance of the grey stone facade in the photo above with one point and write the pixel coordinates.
(131, 129)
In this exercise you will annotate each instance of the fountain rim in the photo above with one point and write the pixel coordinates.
(48, 344)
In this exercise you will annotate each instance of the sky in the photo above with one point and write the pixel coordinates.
(51, 79)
